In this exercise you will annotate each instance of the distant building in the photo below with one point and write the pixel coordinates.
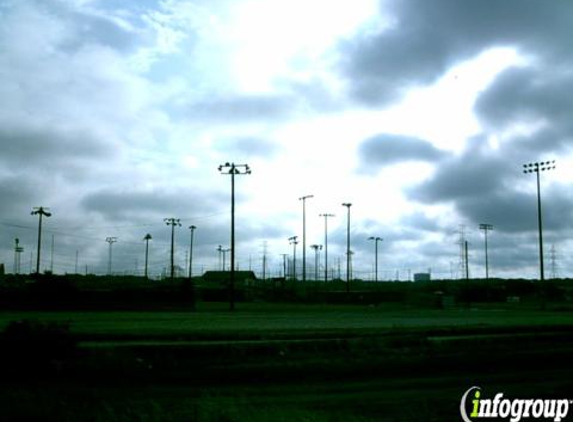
(422, 277)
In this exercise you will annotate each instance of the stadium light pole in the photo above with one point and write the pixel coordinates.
(376, 240)
(347, 205)
(326, 216)
(224, 252)
(486, 227)
(111, 241)
(147, 238)
(316, 249)
(192, 228)
(303, 199)
(293, 241)
(41, 212)
(233, 169)
(537, 167)
(172, 222)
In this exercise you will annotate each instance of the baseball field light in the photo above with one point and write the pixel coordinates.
(537, 167)
(326, 216)
(293, 240)
(111, 241)
(192, 228)
(376, 239)
(347, 205)
(303, 199)
(172, 222)
(40, 212)
(486, 227)
(233, 169)
(147, 238)
(316, 248)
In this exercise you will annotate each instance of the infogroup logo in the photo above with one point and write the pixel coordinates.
(513, 409)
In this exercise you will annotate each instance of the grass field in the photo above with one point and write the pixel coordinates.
(270, 362)
(272, 320)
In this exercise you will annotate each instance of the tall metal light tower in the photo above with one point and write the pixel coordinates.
(347, 205)
(316, 249)
(538, 167)
(147, 238)
(326, 216)
(376, 240)
(111, 241)
(486, 227)
(41, 212)
(303, 199)
(233, 169)
(17, 254)
(172, 222)
(293, 241)
(192, 228)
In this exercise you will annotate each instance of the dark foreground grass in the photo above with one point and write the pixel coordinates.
(214, 321)
(291, 363)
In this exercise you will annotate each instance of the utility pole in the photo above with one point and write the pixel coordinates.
(303, 199)
(192, 228)
(376, 240)
(293, 241)
(41, 212)
(147, 238)
(326, 215)
(233, 169)
(347, 205)
(111, 241)
(486, 227)
(172, 222)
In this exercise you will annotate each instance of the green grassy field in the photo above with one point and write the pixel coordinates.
(272, 320)
(270, 362)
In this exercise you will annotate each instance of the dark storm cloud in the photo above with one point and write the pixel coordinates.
(386, 149)
(139, 205)
(481, 185)
(538, 94)
(25, 146)
(17, 195)
(428, 37)
(240, 108)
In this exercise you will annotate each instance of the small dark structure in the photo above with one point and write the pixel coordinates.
(224, 276)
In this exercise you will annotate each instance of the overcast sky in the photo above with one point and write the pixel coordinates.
(116, 115)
